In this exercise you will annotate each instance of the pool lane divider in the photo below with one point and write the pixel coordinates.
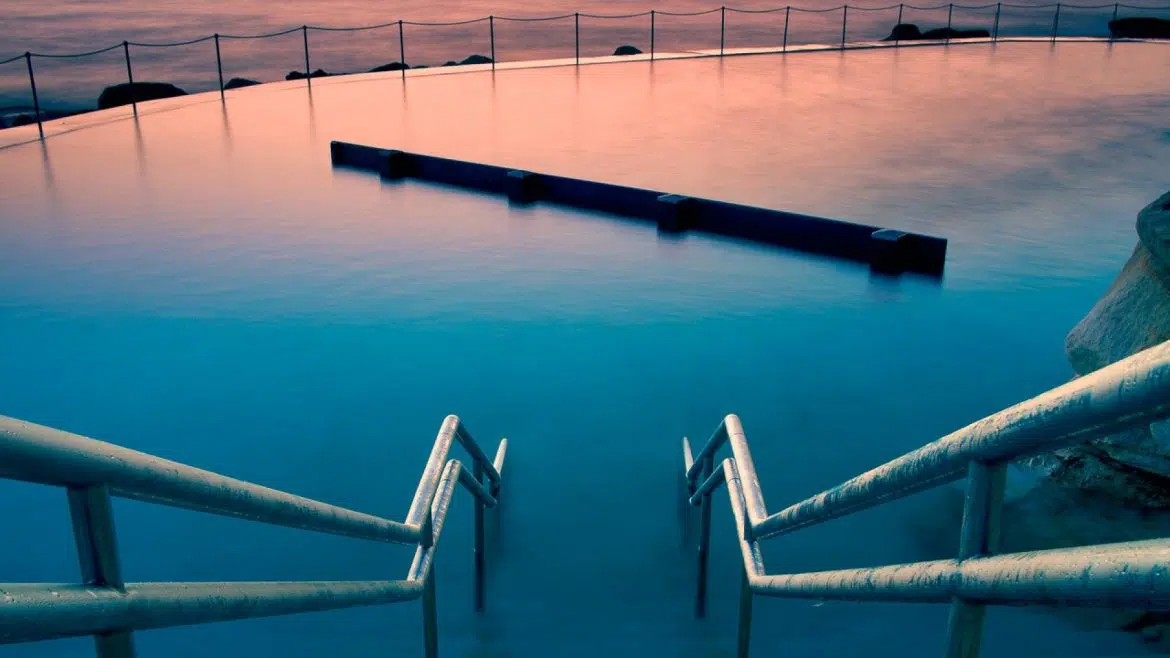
(884, 249)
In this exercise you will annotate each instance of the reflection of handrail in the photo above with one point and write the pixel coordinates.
(1130, 393)
(110, 609)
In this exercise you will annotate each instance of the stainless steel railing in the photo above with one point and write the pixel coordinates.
(110, 609)
(1129, 393)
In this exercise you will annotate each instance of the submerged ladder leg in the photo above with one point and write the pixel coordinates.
(704, 542)
(979, 536)
(743, 638)
(97, 552)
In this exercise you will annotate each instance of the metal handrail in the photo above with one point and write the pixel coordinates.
(109, 609)
(1130, 393)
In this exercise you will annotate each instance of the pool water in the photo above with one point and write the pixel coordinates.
(201, 284)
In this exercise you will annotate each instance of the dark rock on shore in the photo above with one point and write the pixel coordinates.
(300, 75)
(136, 92)
(22, 120)
(627, 50)
(476, 59)
(910, 32)
(236, 83)
(450, 62)
(392, 66)
(1140, 27)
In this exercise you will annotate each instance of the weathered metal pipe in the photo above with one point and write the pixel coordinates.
(1129, 393)
(425, 555)
(1126, 575)
(753, 559)
(718, 438)
(473, 449)
(436, 463)
(34, 453)
(716, 478)
(31, 612)
(468, 480)
(754, 498)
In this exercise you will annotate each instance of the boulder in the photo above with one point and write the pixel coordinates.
(450, 62)
(22, 120)
(392, 66)
(300, 75)
(1140, 27)
(236, 83)
(910, 32)
(904, 32)
(627, 50)
(136, 92)
(476, 59)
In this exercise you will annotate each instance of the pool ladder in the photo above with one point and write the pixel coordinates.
(1127, 394)
(110, 609)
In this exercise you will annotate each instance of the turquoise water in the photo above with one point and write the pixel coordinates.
(202, 285)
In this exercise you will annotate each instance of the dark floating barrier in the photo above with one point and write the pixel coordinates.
(887, 250)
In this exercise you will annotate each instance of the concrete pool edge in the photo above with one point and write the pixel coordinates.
(884, 249)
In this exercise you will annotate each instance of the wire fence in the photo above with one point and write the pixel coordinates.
(247, 59)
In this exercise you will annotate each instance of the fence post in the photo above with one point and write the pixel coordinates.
(577, 37)
(787, 10)
(402, 48)
(844, 22)
(900, 7)
(219, 66)
(492, 37)
(130, 77)
(722, 28)
(32, 82)
(308, 69)
(995, 28)
(1056, 22)
(950, 13)
(652, 14)
(1115, 6)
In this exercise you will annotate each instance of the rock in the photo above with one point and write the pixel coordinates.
(476, 59)
(22, 120)
(450, 63)
(904, 32)
(1140, 27)
(421, 66)
(392, 66)
(627, 50)
(237, 83)
(300, 75)
(910, 32)
(136, 92)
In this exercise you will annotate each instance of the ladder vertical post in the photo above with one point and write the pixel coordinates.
(492, 37)
(130, 77)
(219, 66)
(308, 68)
(479, 543)
(32, 83)
(743, 637)
(429, 604)
(97, 553)
(787, 11)
(979, 536)
(704, 541)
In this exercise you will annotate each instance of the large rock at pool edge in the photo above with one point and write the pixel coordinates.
(300, 75)
(136, 92)
(238, 83)
(904, 32)
(392, 66)
(910, 32)
(627, 50)
(1140, 27)
(476, 59)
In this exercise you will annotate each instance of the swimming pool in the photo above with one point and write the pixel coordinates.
(202, 284)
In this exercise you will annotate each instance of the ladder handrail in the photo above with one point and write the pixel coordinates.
(1129, 393)
(104, 606)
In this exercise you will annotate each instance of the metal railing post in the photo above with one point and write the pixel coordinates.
(901, 6)
(577, 37)
(704, 541)
(950, 14)
(652, 14)
(979, 536)
(743, 635)
(479, 547)
(97, 554)
(492, 38)
(722, 28)
(402, 48)
(1056, 22)
(32, 83)
(429, 604)
(995, 28)
(308, 68)
(130, 77)
(787, 10)
(1115, 7)
(219, 66)
(844, 22)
